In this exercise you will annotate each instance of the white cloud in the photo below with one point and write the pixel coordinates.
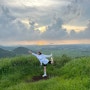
(55, 31)
(34, 3)
(81, 35)
(20, 18)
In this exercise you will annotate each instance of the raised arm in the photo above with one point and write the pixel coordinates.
(48, 55)
(33, 53)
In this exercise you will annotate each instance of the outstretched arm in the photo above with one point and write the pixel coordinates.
(33, 53)
(48, 55)
(36, 56)
(30, 52)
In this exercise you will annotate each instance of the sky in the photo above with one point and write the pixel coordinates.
(44, 22)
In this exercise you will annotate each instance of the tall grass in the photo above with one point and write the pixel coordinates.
(65, 74)
(56, 83)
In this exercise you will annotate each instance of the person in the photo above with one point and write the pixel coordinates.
(43, 60)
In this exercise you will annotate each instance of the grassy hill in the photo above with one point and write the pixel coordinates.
(16, 52)
(21, 50)
(66, 74)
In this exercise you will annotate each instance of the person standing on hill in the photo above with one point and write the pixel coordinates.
(43, 60)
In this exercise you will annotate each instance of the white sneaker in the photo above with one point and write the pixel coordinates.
(44, 75)
(52, 60)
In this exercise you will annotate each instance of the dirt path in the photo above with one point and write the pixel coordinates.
(37, 78)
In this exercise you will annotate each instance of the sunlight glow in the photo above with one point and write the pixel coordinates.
(42, 42)
(47, 42)
(26, 23)
(41, 29)
(75, 28)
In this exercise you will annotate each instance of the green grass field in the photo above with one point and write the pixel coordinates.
(65, 74)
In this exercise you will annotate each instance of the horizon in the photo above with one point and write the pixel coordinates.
(43, 45)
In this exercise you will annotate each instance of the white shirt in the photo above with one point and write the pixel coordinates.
(42, 58)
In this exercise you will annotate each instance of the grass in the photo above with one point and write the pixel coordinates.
(56, 83)
(65, 74)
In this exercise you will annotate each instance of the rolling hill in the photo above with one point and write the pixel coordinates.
(16, 52)
(21, 50)
(17, 74)
(74, 51)
(6, 53)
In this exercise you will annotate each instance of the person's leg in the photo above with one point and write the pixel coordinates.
(52, 60)
(45, 74)
(45, 70)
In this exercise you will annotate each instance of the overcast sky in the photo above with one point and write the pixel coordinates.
(25, 22)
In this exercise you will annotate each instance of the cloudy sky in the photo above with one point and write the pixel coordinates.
(27, 22)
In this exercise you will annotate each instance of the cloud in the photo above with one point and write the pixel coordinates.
(12, 28)
(18, 19)
(86, 32)
(81, 35)
(77, 12)
(5, 15)
(55, 31)
(16, 30)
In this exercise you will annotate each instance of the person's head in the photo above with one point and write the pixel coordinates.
(39, 53)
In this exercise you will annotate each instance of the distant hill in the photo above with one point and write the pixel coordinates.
(17, 51)
(74, 51)
(21, 50)
(6, 53)
(9, 48)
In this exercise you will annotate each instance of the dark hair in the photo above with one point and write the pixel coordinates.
(39, 53)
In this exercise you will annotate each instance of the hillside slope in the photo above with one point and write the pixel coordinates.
(16, 52)
(72, 75)
(6, 53)
(21, 50)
